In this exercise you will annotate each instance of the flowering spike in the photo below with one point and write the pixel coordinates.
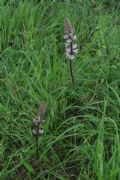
(71, 48)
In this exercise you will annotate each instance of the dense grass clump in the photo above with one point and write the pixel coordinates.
(81, 138)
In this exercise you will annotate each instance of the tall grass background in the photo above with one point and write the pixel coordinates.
(81, 137)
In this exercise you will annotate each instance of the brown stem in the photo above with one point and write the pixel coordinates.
(37, 143)
(71, 72)
(37, 147)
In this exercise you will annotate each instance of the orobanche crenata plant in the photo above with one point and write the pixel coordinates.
(38, 123)
(71, 47)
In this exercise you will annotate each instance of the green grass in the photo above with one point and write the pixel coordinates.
(81, 137)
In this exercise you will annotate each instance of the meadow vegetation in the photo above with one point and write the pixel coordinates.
(81, 138)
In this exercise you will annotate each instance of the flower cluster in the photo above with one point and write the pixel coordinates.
(71, 48)
(38, 122)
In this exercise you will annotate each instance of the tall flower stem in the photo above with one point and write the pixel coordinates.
(71, 73)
